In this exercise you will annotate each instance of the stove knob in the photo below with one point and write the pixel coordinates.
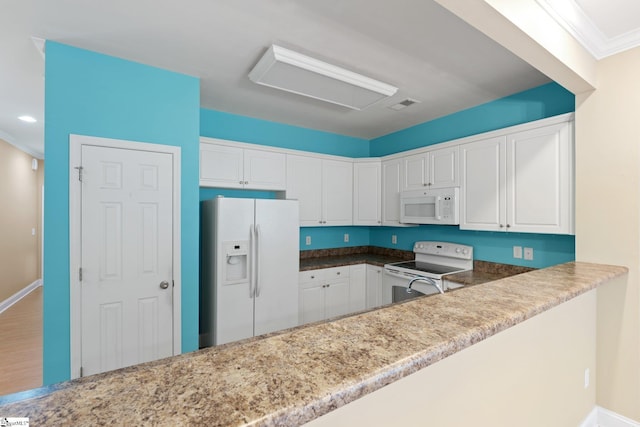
(457, 250)
(420, 246)
(465, 251)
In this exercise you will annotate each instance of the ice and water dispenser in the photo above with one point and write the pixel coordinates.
(236, 265)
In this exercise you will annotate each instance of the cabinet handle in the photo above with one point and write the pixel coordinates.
(508, 225)
(501, 226)
(425, 184)
(313, 277)
(239, 182)
(338, 273)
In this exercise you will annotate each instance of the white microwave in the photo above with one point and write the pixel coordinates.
(430, 206)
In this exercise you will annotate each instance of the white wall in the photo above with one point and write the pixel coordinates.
(607, 221)
(529, 375)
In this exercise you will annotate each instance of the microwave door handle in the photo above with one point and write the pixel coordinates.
(438, 216)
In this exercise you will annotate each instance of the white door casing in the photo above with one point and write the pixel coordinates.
(124, 234)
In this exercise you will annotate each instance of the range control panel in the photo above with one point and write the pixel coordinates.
(451, 250)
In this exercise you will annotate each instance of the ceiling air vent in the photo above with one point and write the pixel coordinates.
(404, 104)
(294, 72)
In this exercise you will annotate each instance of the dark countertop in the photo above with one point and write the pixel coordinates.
(483, 271)
(293, 377)
(327, 258)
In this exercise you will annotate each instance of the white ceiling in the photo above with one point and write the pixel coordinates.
(416, 45)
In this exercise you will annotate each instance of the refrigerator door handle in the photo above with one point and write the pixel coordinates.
(251, 259)
(257, 264)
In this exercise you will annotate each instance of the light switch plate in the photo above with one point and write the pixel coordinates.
(394, 239)
(307, 240)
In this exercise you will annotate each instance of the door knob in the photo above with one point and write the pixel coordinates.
(164, 284)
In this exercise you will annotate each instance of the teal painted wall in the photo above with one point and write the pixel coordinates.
(548, 249)
(216, 124)
(534, 104)
(92, 94)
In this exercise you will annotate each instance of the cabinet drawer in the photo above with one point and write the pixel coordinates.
(336, 272)
(311, 276)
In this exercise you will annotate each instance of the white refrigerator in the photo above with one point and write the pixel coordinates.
(250, 263)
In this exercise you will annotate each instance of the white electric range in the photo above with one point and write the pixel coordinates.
(424, 275)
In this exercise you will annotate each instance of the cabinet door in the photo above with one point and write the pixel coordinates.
(366, 193)
(482, 195)
(221, 166)
(264, 170)
(311, 303)
(304, 183)
(415, 172)
(443, 168)
(539, 178)
(357, 287)
(336, 298)
(337, 192)
(374, 286)
(391, 187)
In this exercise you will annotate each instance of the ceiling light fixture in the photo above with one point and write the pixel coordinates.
(27, 119)
(294, 72)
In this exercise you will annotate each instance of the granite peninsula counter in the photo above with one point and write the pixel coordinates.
(295, 376)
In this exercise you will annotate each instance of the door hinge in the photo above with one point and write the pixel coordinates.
(80, 274)
(79, 172)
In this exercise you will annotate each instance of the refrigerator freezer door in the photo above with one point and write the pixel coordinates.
(277, 265)
(233, 318)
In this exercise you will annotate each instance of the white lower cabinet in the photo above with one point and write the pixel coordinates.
(357, 287)
(374, 286)
(324, 293)
(331, 292)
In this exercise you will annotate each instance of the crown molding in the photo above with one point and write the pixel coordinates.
(576, 21)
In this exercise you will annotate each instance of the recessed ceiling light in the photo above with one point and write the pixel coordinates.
(27, 119)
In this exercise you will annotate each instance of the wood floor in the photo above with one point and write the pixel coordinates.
(21, 344)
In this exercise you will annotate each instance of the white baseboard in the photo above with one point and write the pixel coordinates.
(601, 417)
(4, 305)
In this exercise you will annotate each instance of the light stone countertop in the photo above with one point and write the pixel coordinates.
(292, 377)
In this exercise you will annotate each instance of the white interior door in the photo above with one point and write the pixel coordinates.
(126, 257)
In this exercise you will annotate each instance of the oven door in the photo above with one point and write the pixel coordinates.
(397, 282)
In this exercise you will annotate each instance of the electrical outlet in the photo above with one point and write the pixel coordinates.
(586, 378)
(307, 240)
(528, 254)
(346, 237)
(394, 239)
(517, 251)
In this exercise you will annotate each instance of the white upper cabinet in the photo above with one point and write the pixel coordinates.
(520, 182)
(337, 192)
(367, 193)
(434, 169)
(482, 193)
(392, 173)
(540, 180)
(233, 167)
(304, 183)
(324, 189)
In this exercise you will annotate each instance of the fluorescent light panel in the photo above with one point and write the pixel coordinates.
(294, 72)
